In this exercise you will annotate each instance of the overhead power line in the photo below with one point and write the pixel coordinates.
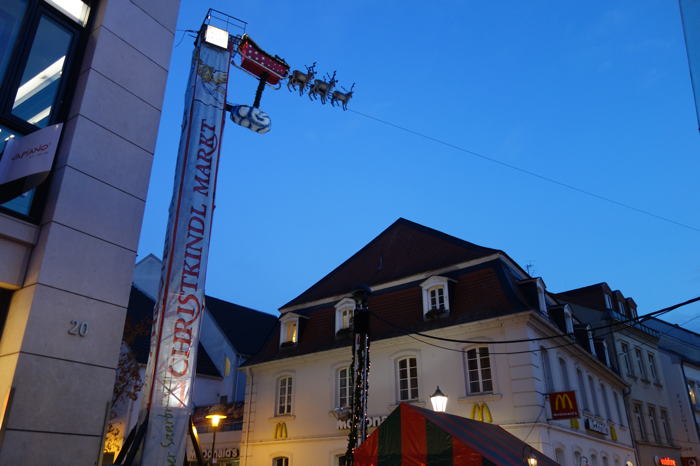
(570, 343)
(529, 172)
(625, 323)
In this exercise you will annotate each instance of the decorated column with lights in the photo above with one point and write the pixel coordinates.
(360, 373)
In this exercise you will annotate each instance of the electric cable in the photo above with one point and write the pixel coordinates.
(638, 319)
(528, 172)
(563, 335)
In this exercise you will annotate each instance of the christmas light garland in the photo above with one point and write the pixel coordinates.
(360, 374)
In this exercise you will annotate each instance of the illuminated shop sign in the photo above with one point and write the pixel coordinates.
(597, 426)
(563, 405)
(666, 461)
(372, 421)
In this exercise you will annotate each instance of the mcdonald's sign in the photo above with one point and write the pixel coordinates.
(563, 405)
(280, 431)
(481, 412)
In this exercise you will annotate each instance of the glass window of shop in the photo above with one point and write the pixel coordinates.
(40, 46)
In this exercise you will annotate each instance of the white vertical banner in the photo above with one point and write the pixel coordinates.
(171, 367)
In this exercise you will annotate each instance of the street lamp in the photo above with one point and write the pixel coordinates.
(216, 414)
(439, 401)
(529, 456)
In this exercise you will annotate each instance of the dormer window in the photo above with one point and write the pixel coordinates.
(541, 297)
(344, 311)
(608, 301)
(289, 329)
(436, 299)
(568, 320)
(591, 344)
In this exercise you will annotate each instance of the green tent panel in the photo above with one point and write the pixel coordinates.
(412, 436)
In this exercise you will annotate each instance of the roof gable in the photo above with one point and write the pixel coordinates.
(403, 249)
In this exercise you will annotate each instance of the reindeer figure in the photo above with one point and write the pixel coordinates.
(342, 97)
(321, 89)
(299, 80)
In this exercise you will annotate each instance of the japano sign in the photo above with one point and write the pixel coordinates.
(171, 364)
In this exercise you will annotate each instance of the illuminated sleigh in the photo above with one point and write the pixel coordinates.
(260, 63)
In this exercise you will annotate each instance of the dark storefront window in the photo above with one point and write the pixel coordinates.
(41, 43)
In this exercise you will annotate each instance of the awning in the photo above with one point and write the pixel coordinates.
(413, 436)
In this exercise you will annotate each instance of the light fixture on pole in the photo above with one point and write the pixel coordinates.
(439, 401)
(529, 456)
(216, 414)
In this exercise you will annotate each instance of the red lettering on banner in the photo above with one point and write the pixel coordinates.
(210, 142)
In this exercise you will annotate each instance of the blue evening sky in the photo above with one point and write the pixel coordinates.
(593, 94)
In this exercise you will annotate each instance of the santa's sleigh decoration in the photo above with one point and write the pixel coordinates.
(268, 69)
(260, 63)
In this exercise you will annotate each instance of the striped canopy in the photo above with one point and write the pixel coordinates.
(413, 436)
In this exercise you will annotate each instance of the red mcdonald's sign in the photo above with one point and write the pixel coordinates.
(563, 405)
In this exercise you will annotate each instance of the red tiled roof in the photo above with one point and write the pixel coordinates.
(479, 292)
(403, 249)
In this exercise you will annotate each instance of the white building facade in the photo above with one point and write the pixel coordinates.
(634, 354)
(67, 247)
(425, 281)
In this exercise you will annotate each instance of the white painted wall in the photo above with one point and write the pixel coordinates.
(516, 402)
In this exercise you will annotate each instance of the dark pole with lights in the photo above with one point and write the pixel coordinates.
(360, 373)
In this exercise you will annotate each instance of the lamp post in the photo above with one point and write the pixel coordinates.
(216, 414)
(439, 401)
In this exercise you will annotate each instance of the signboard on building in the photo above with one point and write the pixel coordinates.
(372, 421)
(27, 161)
(595, 425)
(689, 461)
(665, 461)
(563, 405)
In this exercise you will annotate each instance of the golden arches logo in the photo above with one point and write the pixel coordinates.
(481, 412)
(563, 401)
(280, 431)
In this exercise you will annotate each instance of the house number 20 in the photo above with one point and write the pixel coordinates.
(78, 328)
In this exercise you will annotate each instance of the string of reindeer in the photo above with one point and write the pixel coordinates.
(321, 88)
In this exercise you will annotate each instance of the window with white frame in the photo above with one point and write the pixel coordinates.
(344, 311)
(618, 409)
(280, 461)
(639, 419)
(568, 320)
(559, 455)
(594, 397)
(606, 402)
(608, 301)
(289, 329)
(546, 370)
(342, 383)
(582, 389)
(478, 364)
(626, 361)
(284, 396)
(566, 384)
(407, 377)
(640, 363)
(653, 423)
(435, 296)
(541, 297)
(666, 426)
(621, 307)
(652, 367)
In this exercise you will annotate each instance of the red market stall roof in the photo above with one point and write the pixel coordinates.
(413, 436)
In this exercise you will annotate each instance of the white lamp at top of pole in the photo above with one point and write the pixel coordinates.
(439, 401)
